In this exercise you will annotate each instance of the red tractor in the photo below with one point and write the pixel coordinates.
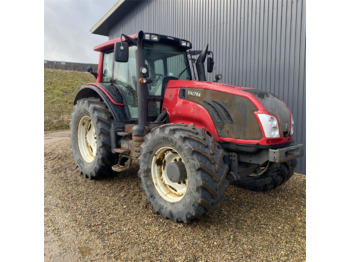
(190, 137)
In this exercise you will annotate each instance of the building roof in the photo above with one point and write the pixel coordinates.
(113, 15)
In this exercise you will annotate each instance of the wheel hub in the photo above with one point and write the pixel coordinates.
(169, 174)
(176, 172)
(87, 139)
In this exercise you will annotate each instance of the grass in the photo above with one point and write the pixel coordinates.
(60, 88)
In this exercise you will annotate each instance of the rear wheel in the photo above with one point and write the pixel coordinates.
(274, 176)
(90, 138)
(87, 141)
(182, 172)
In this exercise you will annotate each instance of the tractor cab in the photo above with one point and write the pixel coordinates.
(152, 58)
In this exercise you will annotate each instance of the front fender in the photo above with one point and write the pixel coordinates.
(187, 112)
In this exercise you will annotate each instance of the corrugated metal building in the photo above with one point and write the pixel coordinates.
(256, 43)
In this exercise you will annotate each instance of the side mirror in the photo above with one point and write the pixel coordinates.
(121, 52)
(210, 64)
(218, 77)
(91, 71)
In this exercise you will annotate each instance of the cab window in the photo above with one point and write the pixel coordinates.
(107, 69)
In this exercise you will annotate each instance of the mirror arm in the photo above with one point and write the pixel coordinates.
(131, 40)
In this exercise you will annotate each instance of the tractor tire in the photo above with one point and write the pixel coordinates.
(194, 191)
(90, 138)
(274, 176)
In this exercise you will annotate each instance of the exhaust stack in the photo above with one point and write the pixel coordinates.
(139, 129)
(200, 64)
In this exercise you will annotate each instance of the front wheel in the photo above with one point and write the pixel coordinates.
(182, 172)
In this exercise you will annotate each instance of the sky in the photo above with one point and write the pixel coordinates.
(67, 25)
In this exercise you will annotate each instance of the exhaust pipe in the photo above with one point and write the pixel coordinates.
(200, 65)
(139, 129)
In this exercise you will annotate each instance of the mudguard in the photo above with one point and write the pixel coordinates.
(111, 95)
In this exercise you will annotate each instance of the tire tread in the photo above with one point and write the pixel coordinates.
(206, 160)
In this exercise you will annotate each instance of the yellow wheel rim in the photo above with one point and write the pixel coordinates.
(87, 139)
(168, 190)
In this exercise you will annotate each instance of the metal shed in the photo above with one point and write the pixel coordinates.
(256, 43)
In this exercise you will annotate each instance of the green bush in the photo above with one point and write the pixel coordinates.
(60, 88)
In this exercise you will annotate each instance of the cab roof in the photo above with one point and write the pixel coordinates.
(159, 38)
(110, 44)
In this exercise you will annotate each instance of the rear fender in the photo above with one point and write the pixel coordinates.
(110, 95)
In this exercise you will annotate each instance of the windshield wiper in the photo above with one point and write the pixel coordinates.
(183, 71)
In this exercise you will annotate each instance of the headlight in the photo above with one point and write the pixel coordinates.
(292, 126)
(143, 70)
(185, 43)
(154, 37)
(151, 37)
(270, 125)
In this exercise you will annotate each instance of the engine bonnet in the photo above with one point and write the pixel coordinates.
(233, 109)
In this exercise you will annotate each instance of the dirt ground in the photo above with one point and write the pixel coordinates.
(50, 136)
(108, 220)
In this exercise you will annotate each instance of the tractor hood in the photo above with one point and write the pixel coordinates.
(233, 110)
(219, 87)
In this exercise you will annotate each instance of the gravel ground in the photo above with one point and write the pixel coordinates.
(107, 220)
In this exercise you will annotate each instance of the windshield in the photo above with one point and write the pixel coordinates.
(165, 62)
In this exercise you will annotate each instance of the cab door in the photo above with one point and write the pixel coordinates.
(125, 78)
